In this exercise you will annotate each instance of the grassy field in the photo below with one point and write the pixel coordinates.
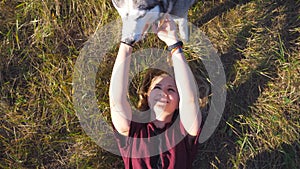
(258, 42)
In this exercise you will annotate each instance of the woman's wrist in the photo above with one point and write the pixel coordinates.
(125, 49)
(124, 43)
(175, 45)
(176, 50)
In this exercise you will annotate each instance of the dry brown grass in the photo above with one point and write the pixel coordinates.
(259, 46)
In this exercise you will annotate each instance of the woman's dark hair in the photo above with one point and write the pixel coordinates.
(150, 74)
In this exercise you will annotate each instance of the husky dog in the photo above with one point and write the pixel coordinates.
(138, 15)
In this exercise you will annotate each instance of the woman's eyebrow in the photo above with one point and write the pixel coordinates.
(172, 86)
(169, 85)
(156, 85)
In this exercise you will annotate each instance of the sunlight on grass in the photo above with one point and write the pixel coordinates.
(258, 43)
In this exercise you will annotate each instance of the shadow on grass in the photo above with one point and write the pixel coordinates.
(285, 156)
(222, 146)
(219, 10)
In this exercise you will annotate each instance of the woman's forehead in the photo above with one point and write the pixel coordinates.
(163, 80)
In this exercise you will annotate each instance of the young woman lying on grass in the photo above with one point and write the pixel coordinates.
(169, 139)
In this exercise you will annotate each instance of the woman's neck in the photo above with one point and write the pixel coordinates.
(162, 120)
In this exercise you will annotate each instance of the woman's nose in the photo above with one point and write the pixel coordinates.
(163, 93)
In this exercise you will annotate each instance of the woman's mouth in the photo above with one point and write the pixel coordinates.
(162, 100)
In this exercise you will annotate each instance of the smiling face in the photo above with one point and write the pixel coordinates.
(163, 98)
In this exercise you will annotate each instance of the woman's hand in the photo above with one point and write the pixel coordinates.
(166, 30)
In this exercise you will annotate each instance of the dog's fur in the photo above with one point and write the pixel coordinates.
(138, 15)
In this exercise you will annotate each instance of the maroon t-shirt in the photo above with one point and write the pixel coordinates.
(149, 147)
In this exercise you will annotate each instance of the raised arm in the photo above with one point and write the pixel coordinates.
(190, 115)
(121, 112)
(189, 111)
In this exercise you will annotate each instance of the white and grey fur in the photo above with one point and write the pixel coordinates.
(138, 15)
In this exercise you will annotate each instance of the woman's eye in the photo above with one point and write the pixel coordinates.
(156, 87)
(172, 90)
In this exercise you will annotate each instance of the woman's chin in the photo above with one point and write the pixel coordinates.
(159, 110)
